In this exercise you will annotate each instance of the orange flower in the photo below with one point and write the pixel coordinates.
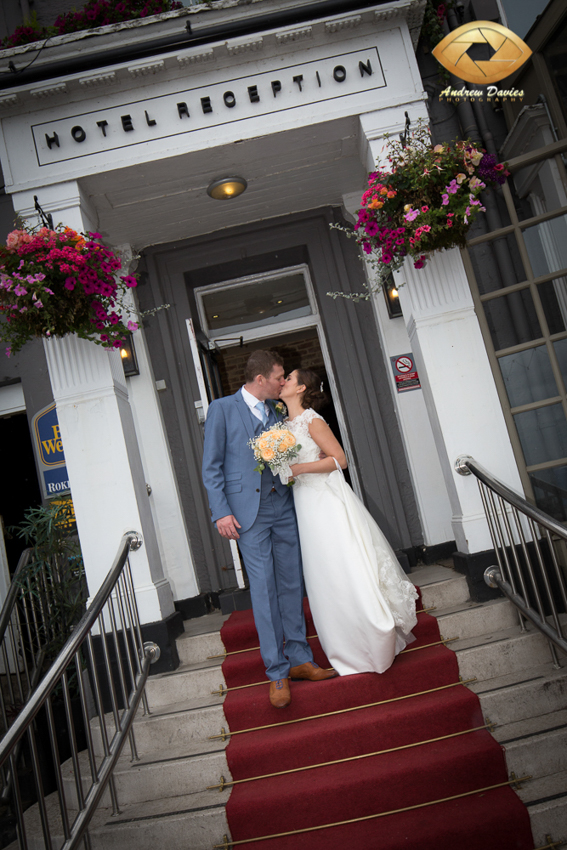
(267, 454)
(287, 441)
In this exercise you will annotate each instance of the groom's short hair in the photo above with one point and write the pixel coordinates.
(261, 362)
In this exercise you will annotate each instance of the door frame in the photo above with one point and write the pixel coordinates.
(278, 329)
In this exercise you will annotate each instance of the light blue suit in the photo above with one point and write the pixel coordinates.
(269, 541)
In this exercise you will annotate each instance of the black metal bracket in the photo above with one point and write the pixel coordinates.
(404, 137)
(46, 218)
(239, 339)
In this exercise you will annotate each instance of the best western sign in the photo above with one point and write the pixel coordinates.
(49, 452)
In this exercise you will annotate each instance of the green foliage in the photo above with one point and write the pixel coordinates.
(54, 578)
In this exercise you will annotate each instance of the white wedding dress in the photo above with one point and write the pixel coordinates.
(362, 602)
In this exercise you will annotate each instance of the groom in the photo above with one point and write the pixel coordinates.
(257, 510)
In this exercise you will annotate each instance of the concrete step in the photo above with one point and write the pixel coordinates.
(474, 619)
(537, 746)
(189, 822)
(189, 681)
(547, 808)
(518, 696)
(441, 587)
(197, 648)
(492, 655)
(172, 727)
(153, 777)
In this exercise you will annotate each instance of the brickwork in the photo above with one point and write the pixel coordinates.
(297, 353)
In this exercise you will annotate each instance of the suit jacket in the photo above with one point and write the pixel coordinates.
(233, 486)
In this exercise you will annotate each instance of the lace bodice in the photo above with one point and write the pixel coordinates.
(309, 451)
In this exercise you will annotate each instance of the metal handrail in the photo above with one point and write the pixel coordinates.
(112, 623)
(528, 569)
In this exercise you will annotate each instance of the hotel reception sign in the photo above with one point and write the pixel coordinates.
(185, 110)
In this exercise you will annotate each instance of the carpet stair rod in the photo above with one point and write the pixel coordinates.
(224, 784)
(514, 783)
(309, 637)
(222, 690)
(224, 734)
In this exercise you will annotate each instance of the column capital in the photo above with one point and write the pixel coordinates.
(66, 202)
(441, 286)
(78, 368)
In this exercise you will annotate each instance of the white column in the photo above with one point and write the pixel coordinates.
(423, 463)
(101, 449)
(460, 396)
(459, 390)
(165, 501)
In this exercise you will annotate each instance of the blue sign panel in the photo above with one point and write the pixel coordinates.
(56, 481)
(48, 438)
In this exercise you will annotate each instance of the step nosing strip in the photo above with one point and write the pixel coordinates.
(227, 844)
(224, 735)
(511, 685)
(160, 714)
(562, 796)
(534, 734)
(178, 758)
(164, 815)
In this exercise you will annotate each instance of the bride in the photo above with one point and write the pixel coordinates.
(363, 604)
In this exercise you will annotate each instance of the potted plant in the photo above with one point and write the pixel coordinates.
(57, 281)
(96, 13)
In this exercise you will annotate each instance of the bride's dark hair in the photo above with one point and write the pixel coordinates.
(313, 396)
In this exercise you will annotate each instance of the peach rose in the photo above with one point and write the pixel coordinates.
(17, 238)
(287, 441)
(267, 454)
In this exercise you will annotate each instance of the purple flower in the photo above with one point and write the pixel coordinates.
(444, 201)
(20, 290)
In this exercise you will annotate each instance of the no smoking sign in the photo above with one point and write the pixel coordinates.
(405, 373)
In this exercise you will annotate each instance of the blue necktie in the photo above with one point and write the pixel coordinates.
(262, 408)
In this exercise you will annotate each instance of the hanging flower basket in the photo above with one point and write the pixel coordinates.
(95, 13)
(426, 201)
(55, 282)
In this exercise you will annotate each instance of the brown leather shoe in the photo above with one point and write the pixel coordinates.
(311, 671)
(280, 695)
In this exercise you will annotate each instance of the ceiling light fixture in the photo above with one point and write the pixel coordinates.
(227, 188)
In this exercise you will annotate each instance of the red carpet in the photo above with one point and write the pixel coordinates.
(492, 820)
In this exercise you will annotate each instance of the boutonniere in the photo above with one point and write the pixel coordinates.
(281, 408)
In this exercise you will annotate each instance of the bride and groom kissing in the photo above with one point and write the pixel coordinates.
(363, 605)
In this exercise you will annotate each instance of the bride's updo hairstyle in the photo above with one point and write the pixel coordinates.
(313, 396)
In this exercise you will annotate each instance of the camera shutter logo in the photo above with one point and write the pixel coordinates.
(510, 52)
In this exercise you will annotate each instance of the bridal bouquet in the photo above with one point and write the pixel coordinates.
(275, 447)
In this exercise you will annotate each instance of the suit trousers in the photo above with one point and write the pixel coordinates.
(271, 553)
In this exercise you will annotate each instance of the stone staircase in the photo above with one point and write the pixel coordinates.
(163, 797)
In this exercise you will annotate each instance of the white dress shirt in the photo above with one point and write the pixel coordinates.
(252, 401)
